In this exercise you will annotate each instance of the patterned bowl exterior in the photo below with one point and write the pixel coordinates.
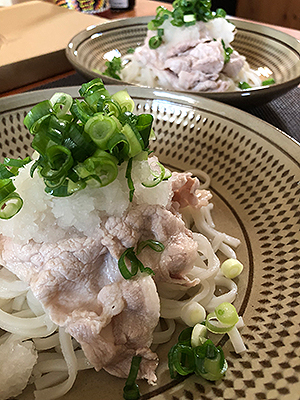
(255, 175)
(262, 47)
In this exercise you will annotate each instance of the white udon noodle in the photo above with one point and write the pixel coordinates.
(23, 317)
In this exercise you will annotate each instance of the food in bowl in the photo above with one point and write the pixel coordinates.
(188, 48)
(98, 245)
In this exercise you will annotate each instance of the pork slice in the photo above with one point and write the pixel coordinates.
(208, 57)
(155, 222)
(181, 48)
(79, 284)
(213, 86)
(186, 191)
(235, 64)
(178, 64)
(129, 314)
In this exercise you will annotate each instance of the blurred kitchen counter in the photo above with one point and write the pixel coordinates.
(32, 47)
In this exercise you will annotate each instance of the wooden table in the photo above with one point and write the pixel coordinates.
(142, 8)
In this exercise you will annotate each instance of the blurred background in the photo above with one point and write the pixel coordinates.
(276, 12)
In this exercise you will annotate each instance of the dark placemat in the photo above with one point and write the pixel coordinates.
(283, 112)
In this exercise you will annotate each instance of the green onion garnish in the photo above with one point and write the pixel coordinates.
(244, 85)
(223, 319)
(136, 264)
(210, 362)
(267, 82)
(205, 360)
(227, 52)
(184, 13)
(153, 244)
(10, 201)
(10, 206)
(129, 179)
(131, 389)
(81, 142)
(134, 261)
(113, 68)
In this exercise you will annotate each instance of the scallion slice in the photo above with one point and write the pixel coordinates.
(134, 261)
(99, 170)
(10, 206)
(223, 319)
(131, 389)
(153, 244)
(209, 361)
(122, 97)
(61, 103)
(37, 115)
(136, 264)
(129, 179)
(100, 128)
(6, 188)
(157, 177)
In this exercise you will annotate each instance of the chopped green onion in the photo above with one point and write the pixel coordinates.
(37, 115)
(82, 142)
(157, 177)
(181, 359)
(153, 244)
(118, 146)
(244, 85)
(5, 173)
(6, 188)
(185, 336)
(134, 261)
(226, 313)
(99, 170)
(136, 264)
(10, 206)
(209, 361)
(204, 358)
(226, 317)
(122, 97)
(100, 128)
(143, 125)
(61, 103)
(113, 68)
(131, 389)
(81, 110)
(231, 268)
(155, 42)
(220, 13)
(133, 141)
(267, 82)
(79, 143)
(227, 52)
(198, 336)
(129, 179)
(192, 313)
(216, 328)
(11, 162)
(59, 162)
(183, 13)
